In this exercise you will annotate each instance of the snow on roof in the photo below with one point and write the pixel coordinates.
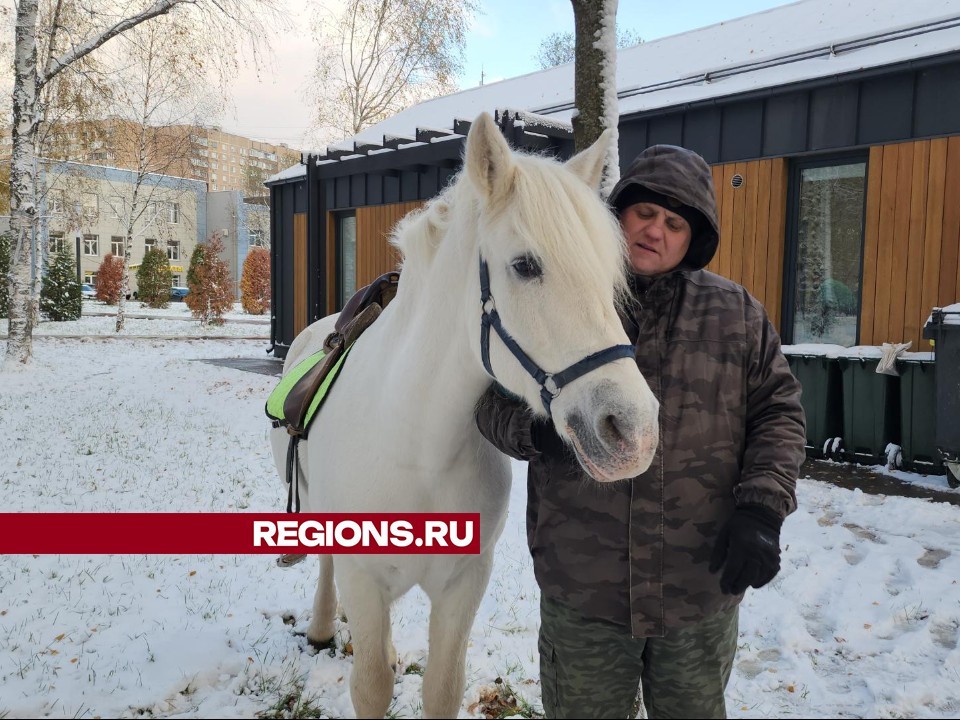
(802, 41)
(294, 171)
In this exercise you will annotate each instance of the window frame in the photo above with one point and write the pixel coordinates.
(91, 238)
(792, 235)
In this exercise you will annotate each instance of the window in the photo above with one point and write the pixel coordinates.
(56, 243)
(117, 245)
(346, 258)
(256, 239)
(173, 250)
(90, 278)
(91, 205)
(149, 244)
(117, 206)
(826, 251)
(175, 281)
(91, 245)
(173, 213)
(55, 201)
(153, 212)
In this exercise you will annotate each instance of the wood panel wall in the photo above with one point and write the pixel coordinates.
(299, 272)
(752, 228)
(911, 257)
(375, 254)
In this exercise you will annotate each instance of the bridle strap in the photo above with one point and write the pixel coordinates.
(550, 384)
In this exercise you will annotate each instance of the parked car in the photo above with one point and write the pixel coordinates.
(88, 291)
(177, 294)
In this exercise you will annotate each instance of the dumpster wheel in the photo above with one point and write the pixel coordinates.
(953, 473)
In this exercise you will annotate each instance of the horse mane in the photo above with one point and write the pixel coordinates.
(542, 189)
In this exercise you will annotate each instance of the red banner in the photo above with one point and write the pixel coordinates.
(238, 533)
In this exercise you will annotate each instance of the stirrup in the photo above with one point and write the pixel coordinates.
(290, 559)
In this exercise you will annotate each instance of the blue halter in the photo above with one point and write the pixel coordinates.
(550, 383)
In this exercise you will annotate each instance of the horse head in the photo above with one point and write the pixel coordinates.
(552, 272)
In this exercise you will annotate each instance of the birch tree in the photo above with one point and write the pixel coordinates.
(104, 21)
(161, 95)
(595, 81)
(377, 57)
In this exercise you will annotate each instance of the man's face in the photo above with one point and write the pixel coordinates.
(657, 239)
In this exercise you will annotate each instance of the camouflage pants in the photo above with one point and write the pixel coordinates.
(592, 668)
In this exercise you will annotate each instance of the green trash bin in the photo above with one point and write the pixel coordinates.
(871, 411)
(822, 399)
(918, 418)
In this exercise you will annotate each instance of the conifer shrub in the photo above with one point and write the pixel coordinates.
(60, 297)
(154, 279)
(109, 281)
(255, 282)
(211, 292)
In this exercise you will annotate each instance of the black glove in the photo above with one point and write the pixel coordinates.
(748, 549)
(545, 439)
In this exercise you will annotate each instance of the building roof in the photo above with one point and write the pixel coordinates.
(793, 43)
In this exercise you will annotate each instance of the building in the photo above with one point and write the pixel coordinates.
(833, 130)
(223, 160)
(242, 223)
(89, 207)
(92, 206)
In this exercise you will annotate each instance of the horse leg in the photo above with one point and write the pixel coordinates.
(452, 611)
(322, 628)
(368, 612)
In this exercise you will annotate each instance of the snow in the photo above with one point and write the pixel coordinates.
(951, 315)
(863, 620)
(100, 320)
(294, 171)
(607, 44)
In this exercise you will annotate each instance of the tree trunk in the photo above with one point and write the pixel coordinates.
(595, 80)
(23, 210)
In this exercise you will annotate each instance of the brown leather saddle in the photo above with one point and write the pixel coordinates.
(299, 406)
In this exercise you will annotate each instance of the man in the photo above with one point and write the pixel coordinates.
(641, 580)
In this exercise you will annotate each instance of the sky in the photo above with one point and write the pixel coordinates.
(502, 43)
(861, 622)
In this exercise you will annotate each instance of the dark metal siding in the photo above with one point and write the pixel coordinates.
(910, 101)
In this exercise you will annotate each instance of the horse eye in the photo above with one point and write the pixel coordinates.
(527, 267)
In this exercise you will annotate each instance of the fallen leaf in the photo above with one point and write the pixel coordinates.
(839, 639)
(791, 688)
(192, 573)
(60, 637)
(73, 660)
(867, 626)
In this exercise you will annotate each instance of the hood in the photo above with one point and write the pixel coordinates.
(685, 176)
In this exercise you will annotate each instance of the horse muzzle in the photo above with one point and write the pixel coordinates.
(613, 439)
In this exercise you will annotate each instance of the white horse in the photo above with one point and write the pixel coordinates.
(397, 432)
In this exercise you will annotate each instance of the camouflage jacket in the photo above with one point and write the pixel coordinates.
(636, 553)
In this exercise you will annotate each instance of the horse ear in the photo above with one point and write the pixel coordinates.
(489, 165)
(588, 165)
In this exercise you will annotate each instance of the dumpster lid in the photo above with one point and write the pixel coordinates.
(949, 315)
(814, 349)
(916, 356)
(872, 352)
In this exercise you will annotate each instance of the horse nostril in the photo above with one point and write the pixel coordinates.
(609, 432)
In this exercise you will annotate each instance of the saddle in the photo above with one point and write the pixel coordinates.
(295, 401)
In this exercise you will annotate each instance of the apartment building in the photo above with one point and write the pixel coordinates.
(92, 206)
(225, 161)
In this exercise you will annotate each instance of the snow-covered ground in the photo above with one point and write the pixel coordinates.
(173, 321)
(863, 621)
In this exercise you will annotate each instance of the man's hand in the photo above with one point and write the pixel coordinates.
(748, 549)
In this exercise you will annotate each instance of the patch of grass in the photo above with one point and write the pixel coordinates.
(500, 700)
